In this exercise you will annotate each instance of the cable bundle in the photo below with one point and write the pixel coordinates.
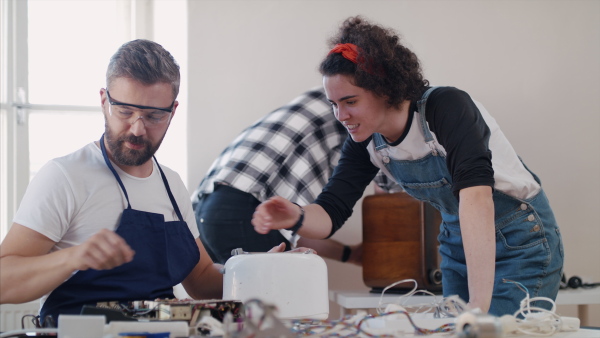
(537, 321)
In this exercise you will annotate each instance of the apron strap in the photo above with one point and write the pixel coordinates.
(166, 182)
(162, 174)
(105, 155)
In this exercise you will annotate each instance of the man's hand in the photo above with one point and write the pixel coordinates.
(278, 248)
(30, 269)
(281, 248)
(104, 250)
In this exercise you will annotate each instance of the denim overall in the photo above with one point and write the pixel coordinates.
(165, 254)
(528, 243)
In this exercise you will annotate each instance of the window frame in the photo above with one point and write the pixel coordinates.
(138, 22)
(14, 143)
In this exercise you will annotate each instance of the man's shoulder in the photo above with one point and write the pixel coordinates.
(169, 173)
(173, 177)
(86, 151)
(85, 156)
(312, 104)
(83, 167)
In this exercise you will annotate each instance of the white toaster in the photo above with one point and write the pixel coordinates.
(296, 283)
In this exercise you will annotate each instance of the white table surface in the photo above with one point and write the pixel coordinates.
(353, 300)
(399, 326)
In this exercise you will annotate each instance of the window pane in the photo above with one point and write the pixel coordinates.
(70, 44)
(55, 134)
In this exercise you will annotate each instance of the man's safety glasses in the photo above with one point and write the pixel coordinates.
(151, 116)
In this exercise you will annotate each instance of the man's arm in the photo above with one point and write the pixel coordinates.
(206, 280)
(30, 271)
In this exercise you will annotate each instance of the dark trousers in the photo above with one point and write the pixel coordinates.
(223, 219)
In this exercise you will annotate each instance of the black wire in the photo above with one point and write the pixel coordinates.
(34, 320)
(49, 322)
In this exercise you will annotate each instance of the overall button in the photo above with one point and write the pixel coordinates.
(531, 218)
(386, 159)
(523, 206)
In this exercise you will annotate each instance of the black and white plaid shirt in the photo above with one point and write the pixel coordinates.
(291, 152)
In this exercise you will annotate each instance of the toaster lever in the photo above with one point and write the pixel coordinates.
(238, 251)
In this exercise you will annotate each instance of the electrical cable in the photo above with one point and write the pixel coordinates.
(538, 321)
(402, 299)
(18, 333)
(528, 319)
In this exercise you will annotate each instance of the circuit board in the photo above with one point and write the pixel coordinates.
(175, 309)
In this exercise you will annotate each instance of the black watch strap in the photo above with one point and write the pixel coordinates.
(298, 224)
(346, 253)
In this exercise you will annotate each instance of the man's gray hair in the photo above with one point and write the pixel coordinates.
(144, 61)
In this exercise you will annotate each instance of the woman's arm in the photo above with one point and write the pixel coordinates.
(279, 213)
(476, 210)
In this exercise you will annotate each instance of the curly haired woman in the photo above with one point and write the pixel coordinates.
(437, 143)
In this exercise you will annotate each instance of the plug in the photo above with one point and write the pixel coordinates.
(471, 325)
(569, 324)
(394, 308)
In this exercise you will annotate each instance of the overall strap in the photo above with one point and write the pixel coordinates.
(380, 143)
(421, 105)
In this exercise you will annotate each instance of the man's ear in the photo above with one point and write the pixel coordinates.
(175, 104)
(103, 98)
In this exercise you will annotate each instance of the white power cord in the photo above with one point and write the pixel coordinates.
(19, 333)
(403, 298)
(529, 320)
(538, 321)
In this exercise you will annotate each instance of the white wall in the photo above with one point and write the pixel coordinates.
(534, 64)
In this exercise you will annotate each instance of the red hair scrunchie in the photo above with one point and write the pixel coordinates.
(348, 50)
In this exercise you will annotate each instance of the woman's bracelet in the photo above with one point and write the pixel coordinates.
(300, 222)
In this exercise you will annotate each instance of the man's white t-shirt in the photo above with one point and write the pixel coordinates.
(73, 197)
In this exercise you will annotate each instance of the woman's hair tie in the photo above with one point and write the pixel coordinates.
(348, 50)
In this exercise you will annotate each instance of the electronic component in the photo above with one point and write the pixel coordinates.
(474, 325)
(187, 310)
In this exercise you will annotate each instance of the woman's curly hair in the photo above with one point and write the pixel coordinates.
(384, 66)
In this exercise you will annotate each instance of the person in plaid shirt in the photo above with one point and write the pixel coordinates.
(290, 152)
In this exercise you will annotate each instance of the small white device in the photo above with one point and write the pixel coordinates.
(80, 326)
(295, 282)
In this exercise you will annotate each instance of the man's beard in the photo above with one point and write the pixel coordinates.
(126, 156)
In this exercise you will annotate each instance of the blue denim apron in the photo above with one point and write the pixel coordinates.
(165, 254)
(528, 243)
